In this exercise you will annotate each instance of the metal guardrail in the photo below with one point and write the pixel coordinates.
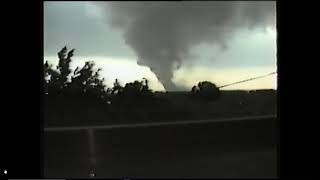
(76, 128)
(90, 131)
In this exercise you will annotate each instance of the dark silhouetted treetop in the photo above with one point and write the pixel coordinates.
(117, 88)
(206, 90)
(195, 89)
(137, 89)
(84, 81)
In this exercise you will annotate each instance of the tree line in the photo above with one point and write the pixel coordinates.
(87, 82)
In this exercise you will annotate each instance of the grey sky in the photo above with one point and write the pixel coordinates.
(73, 24)
(86, 27)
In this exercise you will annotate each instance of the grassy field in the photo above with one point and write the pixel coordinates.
(172, 106)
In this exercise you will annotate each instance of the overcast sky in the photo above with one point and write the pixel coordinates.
(182, 43)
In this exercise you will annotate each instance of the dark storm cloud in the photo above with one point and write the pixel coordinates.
(71, 24)
(163, 33)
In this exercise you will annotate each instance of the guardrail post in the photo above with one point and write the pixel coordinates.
(92, 158)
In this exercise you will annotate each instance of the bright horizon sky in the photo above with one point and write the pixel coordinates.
(128, 71)
(79, 25)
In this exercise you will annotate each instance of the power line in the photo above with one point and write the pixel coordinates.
(238, 82)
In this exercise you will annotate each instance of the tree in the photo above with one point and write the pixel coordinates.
(64, 65)
(206, 90)
(137, 88)
(83, 81)
(69, 92)
(52, 80)
(195, 89)
(46, 68)
(132, 89)
(117, 88)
